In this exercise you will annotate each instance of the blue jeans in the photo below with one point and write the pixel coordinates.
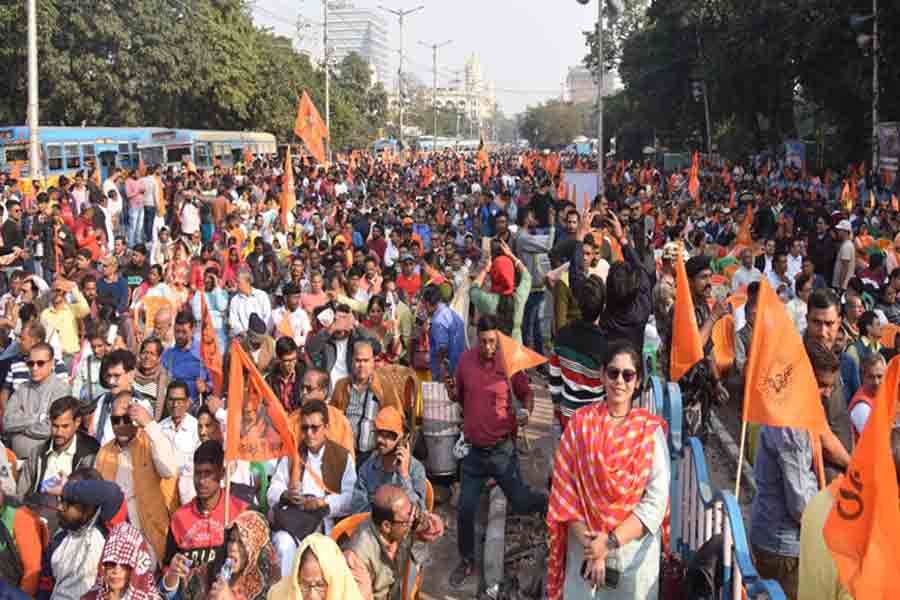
(502, 463)
(531, 322)
(135, 226)
(149, 218)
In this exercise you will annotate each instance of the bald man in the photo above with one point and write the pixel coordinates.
(395, 528)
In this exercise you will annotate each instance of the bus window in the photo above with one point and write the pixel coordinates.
(17, 154)
(124, 156)
(201, 151)
(174, 155)
(73, 156)
(90, 156)
(54, 157)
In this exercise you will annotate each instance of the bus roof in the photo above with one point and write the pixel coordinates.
(163, 136)
(14, 134)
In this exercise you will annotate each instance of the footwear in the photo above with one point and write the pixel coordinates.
(462, 572)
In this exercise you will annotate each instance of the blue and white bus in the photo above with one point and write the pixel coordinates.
(65, 150)
(169, 147)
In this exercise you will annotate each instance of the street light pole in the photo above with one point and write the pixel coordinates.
(401, 15)
(327, 84)
(601, 157)
(34, 155)
(875, 90)
(434, 49)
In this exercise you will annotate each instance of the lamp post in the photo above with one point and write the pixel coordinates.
(401, 16)
(862, 40)
(434, 49)
(34, 154)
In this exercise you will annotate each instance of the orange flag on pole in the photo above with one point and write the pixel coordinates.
(687, 347)
(895, 205)
(309, 127)
(694, 180)
(780, 387)
(744, 237)
(209, 349)
(288, 197)
(284, 328)
(257, 426)
(863, 527)
(517, 357)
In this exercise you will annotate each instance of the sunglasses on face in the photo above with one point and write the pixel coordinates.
(120, 420)
(311, 428)
(628, 375)
(36, 363)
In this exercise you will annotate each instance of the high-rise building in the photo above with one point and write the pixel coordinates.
(360, 30)
(582, 89)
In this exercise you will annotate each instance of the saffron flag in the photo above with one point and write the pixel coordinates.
(687, 347)
(694, 180)
(142, 168)
(288, 197)
(209, 349)
(257, 426)
(284, 328)
(309, 127)
(96, 175)
(16, 172)
(744, 237)
(780, 387)
(515, 356)
(863, 527)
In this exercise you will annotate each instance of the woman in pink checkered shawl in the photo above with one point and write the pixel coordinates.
(126, 569)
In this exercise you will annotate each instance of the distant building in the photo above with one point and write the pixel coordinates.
(360, 30)
(582, 89)
(473, 97)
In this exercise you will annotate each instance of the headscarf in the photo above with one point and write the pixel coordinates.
(335, 572)
(126, 546)
(262, 569)
(229, 274)
(503, 276)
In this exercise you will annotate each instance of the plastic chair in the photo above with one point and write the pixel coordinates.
(347, 526)
(429, 496)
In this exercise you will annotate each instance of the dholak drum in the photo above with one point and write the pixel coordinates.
(440, 424)
(399, 384)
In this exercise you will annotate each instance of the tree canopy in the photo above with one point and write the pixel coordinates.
(200, 64)
(774, 70)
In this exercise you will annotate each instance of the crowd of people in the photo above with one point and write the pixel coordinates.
(113, 473)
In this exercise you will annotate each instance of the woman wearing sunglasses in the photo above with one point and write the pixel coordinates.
(126, 569)
(610, 493)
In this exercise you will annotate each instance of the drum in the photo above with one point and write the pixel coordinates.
(441, 421)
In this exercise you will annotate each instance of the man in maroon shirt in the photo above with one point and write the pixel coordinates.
(489, 424)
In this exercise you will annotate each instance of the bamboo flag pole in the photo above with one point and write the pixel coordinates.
(740, 461)
(228, 470)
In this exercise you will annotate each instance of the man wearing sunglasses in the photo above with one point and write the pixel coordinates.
(140, 459)
(328, 475)
(26, 419)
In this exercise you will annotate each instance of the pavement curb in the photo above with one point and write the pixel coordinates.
(733, 450)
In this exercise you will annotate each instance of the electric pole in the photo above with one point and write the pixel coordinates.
(401, 16)
(434, 49)
(34, 154)
(875, 91)
(326, 60)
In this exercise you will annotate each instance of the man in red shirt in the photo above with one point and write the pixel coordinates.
(408, 280)
(489, 424)
(197, 530)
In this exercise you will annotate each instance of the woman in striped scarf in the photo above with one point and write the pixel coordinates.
(610, 493)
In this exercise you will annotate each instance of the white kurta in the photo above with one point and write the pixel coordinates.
(639, 559)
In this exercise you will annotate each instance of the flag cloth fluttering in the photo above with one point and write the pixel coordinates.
(516, 357)
(257, 426)
(209, 349)
(309, 127)
(687, 346)
(694, 180)
(863, 527)
(288, 196)
(780, 387)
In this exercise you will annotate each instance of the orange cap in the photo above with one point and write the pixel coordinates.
(389, 419)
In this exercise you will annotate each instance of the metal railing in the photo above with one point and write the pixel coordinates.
(698, 511)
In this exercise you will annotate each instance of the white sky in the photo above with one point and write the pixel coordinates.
(525, 46)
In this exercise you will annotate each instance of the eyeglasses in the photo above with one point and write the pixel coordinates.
(318, 587)
(120, 420)
(613, 373)
(311, 428)
(36, 363)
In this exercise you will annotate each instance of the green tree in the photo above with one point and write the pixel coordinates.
(552, 123)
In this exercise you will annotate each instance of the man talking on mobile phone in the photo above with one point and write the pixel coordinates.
(392, 462)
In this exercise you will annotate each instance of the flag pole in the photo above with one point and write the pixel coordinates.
(227, 491)
(737, 483)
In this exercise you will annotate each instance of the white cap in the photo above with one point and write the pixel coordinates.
(844, 225)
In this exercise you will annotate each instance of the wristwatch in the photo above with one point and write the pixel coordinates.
(612, 542)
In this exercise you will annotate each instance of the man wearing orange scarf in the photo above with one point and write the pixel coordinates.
(142, 460)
